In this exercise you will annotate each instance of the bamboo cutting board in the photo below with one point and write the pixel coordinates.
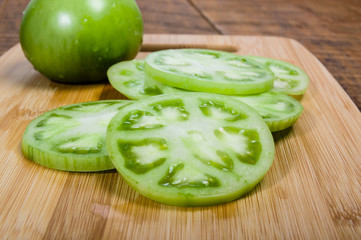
(312, 190)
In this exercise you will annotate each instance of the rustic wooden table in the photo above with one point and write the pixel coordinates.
(330, 29)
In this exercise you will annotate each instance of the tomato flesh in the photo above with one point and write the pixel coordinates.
(279, 110)
(72, 138)
(208, 71)
(128, 78)
(290, 79)
(190, 149)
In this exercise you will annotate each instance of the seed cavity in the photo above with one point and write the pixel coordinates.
(181, 176)
(140, 120)
(151, 90)
(244, 142)
(220, 111)
(285, 83)
(171, 111)
(80, 145)
(207, 153)
(143, 156)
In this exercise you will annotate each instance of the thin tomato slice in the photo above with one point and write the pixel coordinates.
(290, 79)
(190, 149)
(208, 71)
(72, 138)
(279, 110)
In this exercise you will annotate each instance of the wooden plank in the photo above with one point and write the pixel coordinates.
(172, 16)
(330, 29)
(312, 190)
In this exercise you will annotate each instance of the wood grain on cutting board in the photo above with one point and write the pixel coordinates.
(313, 189)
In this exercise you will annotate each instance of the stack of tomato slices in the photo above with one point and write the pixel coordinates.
(196, 130)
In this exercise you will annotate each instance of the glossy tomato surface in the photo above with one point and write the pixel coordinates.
(77, 41)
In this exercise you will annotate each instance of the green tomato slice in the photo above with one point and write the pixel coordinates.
(72, 137)
(279, 110)
(128, 78)
(208, 71)
(290, 79)
(190, 149)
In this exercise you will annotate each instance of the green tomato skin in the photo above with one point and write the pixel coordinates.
(76, 41)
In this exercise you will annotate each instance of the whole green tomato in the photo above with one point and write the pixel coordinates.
(76, 41)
